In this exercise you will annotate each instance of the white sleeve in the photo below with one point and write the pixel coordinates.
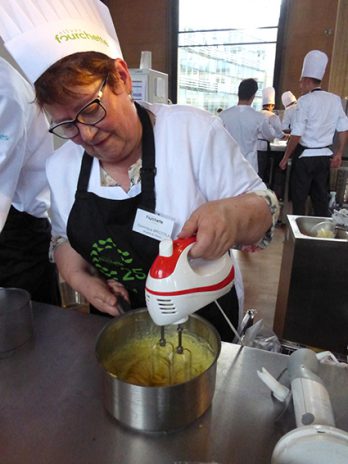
(223, 170)
(342, 123)
(267, 132)
(277, 126)
(286, 121)
(12, 152)
(300, 118)
(62, 170)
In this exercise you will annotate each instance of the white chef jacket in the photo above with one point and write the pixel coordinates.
(245, 125)
(25, 144)
(288, 117)
(276, 124)
(196, 160)
(318, 115)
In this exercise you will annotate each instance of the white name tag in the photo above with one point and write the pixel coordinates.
(153, 225)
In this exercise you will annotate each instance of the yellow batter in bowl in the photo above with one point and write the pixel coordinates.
(142, 361)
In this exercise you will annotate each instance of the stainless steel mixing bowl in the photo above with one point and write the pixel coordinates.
(155, 408)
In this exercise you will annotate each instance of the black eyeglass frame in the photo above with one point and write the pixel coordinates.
(73, 122)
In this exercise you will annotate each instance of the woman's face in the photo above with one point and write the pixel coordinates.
(117, 137)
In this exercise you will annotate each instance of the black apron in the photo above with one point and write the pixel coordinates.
(264, 162)
(294, 161)
(24, 262)
(100, 230)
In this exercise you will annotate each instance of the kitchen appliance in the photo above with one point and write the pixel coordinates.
(311, 306)
(147, 84)
(178, 285)
(154, 408)
(316, 440)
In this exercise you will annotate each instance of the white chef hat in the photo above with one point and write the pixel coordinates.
(288, 98)
(314, 64)
(37, 33)
(268, 96)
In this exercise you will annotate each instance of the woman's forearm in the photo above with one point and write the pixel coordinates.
(71, 266)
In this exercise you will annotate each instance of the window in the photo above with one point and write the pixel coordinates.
(222, 42)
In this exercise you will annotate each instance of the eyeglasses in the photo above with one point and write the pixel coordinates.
(89, 115)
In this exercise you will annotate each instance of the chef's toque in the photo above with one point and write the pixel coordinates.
(314, 65)
(37, 33)
(288, 98)
(268, 96)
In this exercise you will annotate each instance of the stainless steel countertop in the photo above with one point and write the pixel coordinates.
(51, 409)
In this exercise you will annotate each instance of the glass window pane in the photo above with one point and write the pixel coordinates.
(211, 63)
(221, 14)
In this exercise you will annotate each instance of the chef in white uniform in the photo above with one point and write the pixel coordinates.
(263, 148)
(289, 102)
(130, 173)
(25, 230)
(318, 115)
(245, 124)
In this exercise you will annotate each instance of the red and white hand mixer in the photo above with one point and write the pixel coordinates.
(178, 285)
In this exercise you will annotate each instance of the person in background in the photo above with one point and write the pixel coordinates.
(263, 147)
(25, 231)
(319, 114)
(245, 124)
(127, 166)
(289, 102)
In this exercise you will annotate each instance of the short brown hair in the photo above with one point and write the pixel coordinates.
(78, 69)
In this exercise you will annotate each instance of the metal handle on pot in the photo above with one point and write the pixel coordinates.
(122, 305)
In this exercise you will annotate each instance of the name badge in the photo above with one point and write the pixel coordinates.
(153, 225)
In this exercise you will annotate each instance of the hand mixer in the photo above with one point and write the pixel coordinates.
(177, 286)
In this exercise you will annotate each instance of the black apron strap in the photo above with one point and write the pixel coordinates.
(85, 170)
(148, 169)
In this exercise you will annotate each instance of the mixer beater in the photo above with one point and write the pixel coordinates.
(171, 363)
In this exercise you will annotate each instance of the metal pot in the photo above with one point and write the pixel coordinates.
(155, 408)
(16, 319)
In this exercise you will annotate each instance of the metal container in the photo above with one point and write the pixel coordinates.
(153, 408)
(311, 306)
(16, 319)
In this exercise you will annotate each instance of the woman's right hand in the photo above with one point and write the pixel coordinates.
(103, 295)
(100, 293)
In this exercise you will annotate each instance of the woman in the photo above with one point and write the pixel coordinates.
(126, 164)
(191, 160)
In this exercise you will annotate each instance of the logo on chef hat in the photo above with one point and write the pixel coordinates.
(80, 34)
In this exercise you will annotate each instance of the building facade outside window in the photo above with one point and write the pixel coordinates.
(219, 44)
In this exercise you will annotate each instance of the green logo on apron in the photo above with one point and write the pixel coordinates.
(115, 263)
